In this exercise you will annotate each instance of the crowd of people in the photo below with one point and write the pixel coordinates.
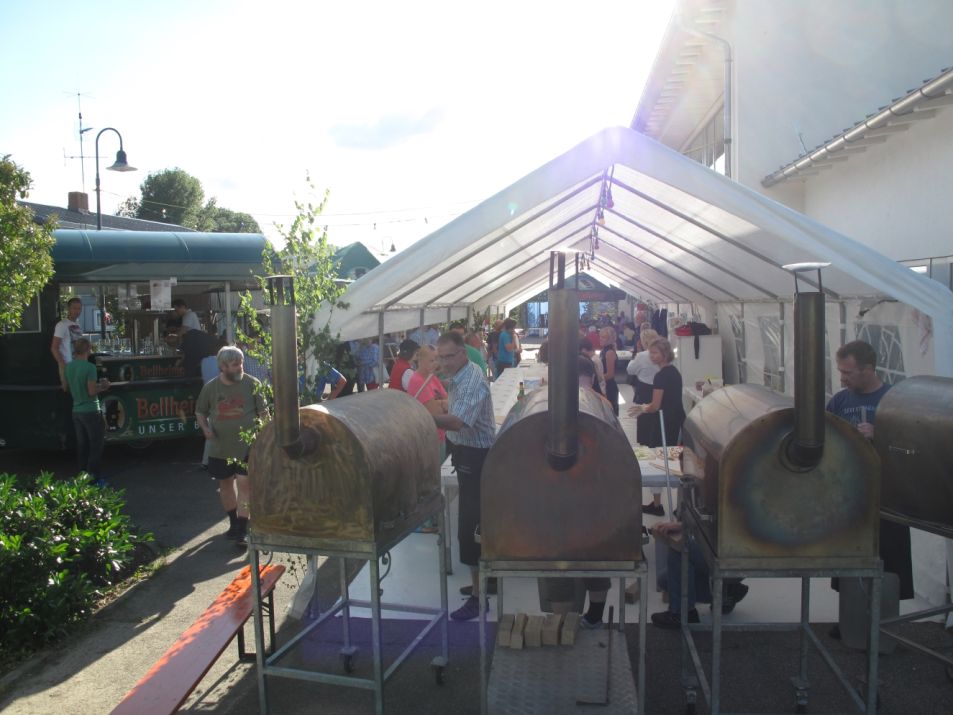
(450, 374)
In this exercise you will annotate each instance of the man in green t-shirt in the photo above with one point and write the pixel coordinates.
(473, 342)
(227, 405)
(88, 421)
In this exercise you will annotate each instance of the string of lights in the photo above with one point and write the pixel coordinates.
(374, 218)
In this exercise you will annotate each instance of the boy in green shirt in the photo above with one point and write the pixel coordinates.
(88, 421)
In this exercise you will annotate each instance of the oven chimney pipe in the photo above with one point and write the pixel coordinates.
(563, 446)
(806, 446)
(284, 368)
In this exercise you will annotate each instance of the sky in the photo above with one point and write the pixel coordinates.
(408, 114)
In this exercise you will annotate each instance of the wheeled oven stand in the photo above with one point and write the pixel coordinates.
(693, 673)
(568, 569)
(370, 551)
(947, 533)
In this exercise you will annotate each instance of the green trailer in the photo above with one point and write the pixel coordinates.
(126, 281)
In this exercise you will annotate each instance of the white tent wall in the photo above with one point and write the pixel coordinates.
(752, 340)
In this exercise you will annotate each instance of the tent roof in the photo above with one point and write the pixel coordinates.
(677, 233)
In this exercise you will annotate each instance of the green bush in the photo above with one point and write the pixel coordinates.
(61, 544)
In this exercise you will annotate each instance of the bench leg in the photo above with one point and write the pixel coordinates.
(268, 609)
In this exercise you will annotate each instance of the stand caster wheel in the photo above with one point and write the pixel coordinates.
(347, 658)
(439, 665)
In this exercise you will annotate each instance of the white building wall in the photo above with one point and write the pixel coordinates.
(895, 197)
(815, 67)
(805, 70)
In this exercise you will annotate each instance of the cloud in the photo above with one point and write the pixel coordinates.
(388, 131)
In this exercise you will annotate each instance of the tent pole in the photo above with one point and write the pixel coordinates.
(380, 349)
(781, 367)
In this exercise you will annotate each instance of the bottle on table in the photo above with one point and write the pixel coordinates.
(521, 394)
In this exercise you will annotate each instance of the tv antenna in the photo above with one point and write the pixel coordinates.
(82, 130)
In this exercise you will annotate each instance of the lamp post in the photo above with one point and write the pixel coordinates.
(120, 165)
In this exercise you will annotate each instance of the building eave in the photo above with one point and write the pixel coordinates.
(876, 128)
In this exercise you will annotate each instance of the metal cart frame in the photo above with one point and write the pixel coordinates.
(693, 673)
(370, 551)
(568, 569)
(947, 533)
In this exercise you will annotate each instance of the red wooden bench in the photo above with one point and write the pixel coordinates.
(170, 681)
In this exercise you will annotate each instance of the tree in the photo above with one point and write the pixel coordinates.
(171, 196)
(129, 207)
(26, 260)
(175, 196)
(309, 258)
(218, 220)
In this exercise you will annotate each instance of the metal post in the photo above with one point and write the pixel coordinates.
(120, 165)
(442, 527)
(375, 576)
(259, 634)
(484, 675)
(229, 332)
(380, 348)
(800, 695)
(874, 586)
(716, 601)
(346, 605)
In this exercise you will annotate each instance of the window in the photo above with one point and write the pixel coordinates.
(885, 339)
(708, 146)
(771, 344)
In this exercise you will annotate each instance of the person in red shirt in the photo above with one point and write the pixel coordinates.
(402, 366)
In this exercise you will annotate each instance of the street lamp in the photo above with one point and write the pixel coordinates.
(120, 165)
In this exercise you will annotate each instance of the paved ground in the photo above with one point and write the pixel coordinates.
(169, 495)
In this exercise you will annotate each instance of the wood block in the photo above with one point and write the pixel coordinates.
(570, 626)
(551, 626)
(504, 630)
(533, 634)
(516, 635)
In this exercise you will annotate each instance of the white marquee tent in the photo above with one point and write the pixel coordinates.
(675, 233)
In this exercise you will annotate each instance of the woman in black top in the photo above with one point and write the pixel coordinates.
(666, 392)
(607, 337)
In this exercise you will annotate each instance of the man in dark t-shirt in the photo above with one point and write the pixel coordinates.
(857, 403)
(197, 345)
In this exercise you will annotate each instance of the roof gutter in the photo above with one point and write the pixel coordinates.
(728, 69)
(905, 106)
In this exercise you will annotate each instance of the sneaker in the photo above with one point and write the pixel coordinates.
(588, 625)
(490, 588)
(653, 509)
(469, 610)
(672, 621)
(734, 594)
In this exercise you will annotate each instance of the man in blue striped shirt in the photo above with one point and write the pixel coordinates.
(472, 428)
